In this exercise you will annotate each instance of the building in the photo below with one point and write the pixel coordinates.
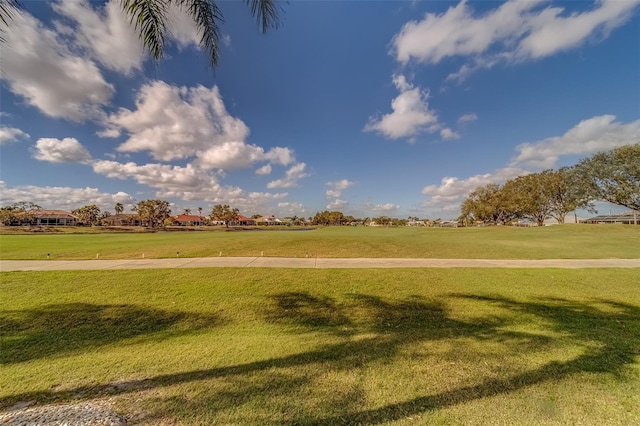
(188, 220)
(629, 218)
(53, 218)
(122, 219)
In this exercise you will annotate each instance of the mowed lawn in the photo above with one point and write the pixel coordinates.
(328, 347)
(560, 242)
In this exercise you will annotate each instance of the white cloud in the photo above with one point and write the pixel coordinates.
(448, 134)
(336, 188)
(386, 208)
(516, 31)
(587, 137)
(11, 134)
(67, 150)
(264, 170)
(187, 183)
(595, 134)
(64, 198)
(292, 208)
(411, 114)
(103, 33)
(181, 27)
(337, 204)
(40, 68)
(178, 122)
(467, 118)
(291, 178)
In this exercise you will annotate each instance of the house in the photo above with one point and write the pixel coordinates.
(53, 218)
(242, 221)
(122, 219)
(629, 218)
(188, 220)
(268, 220)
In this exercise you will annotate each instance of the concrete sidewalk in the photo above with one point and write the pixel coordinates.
(318, 263)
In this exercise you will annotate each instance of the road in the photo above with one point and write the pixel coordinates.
(318, 263)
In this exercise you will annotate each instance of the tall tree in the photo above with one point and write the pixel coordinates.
(567, 193)
(614, 176)
(150, 18)
(89, 215)
(119, 208)
(153, 212)
(224, 213)
(530, 196)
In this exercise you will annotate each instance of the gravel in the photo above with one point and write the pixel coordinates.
(80, 414)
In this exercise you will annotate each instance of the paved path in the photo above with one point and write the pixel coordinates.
(321, 263)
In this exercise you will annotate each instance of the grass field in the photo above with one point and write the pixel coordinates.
(327, 347)
(559, 242)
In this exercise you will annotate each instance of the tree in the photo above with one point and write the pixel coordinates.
(529, 196)
(150, 18)
(567, 192)
(224, 213)
(490, 203)
(119, 208)
(200, 211)
(153, 212)
(89, 215)
(187, 212)
(16, 214)
(614, 176)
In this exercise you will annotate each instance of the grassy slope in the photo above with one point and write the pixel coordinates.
(234, 346)
(568, 241)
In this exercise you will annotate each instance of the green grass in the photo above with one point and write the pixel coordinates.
(561, 242)
(326, 347)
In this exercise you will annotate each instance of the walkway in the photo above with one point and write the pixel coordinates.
(322, 263)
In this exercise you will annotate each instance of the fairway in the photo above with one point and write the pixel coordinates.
(552, 242)
(320, 347)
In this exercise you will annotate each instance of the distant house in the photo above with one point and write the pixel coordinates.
(188, 220)
(630, 218)
(268, 220)
(122, 219)
(414, 222)
(53, 218)
(242, 221)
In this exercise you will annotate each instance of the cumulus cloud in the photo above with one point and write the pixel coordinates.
(291, 178)
(467, 118)
(336, 188)
(448, 134)
(595, 134)
(337, 204)
(386, 208)
(514, 32)
(264, 170)
(173, 123)
(103, 33)
(11, 134)
(453, 190)
(67, 150)
(411, 114)
(292, 208)
(65, 198)
(592, 135)
(38, 66)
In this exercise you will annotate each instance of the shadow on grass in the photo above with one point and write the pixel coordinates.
(608, 331)
(57, 330)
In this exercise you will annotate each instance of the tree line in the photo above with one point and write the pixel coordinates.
(612, 176)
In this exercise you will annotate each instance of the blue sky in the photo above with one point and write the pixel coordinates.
(375, 108)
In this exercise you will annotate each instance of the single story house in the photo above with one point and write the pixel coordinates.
(53, 218)
(122, 219)
(188, 220)
(242, 221)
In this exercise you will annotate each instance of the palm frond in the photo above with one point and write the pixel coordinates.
(206, 15)
(267, 12)
(149, 18)
(8, 9)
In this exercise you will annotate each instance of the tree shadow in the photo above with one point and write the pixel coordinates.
(374, 329)
(57, 330)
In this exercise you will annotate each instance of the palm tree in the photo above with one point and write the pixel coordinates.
(119, 208)
(200, 211)
(187, 212)
(149, 17)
